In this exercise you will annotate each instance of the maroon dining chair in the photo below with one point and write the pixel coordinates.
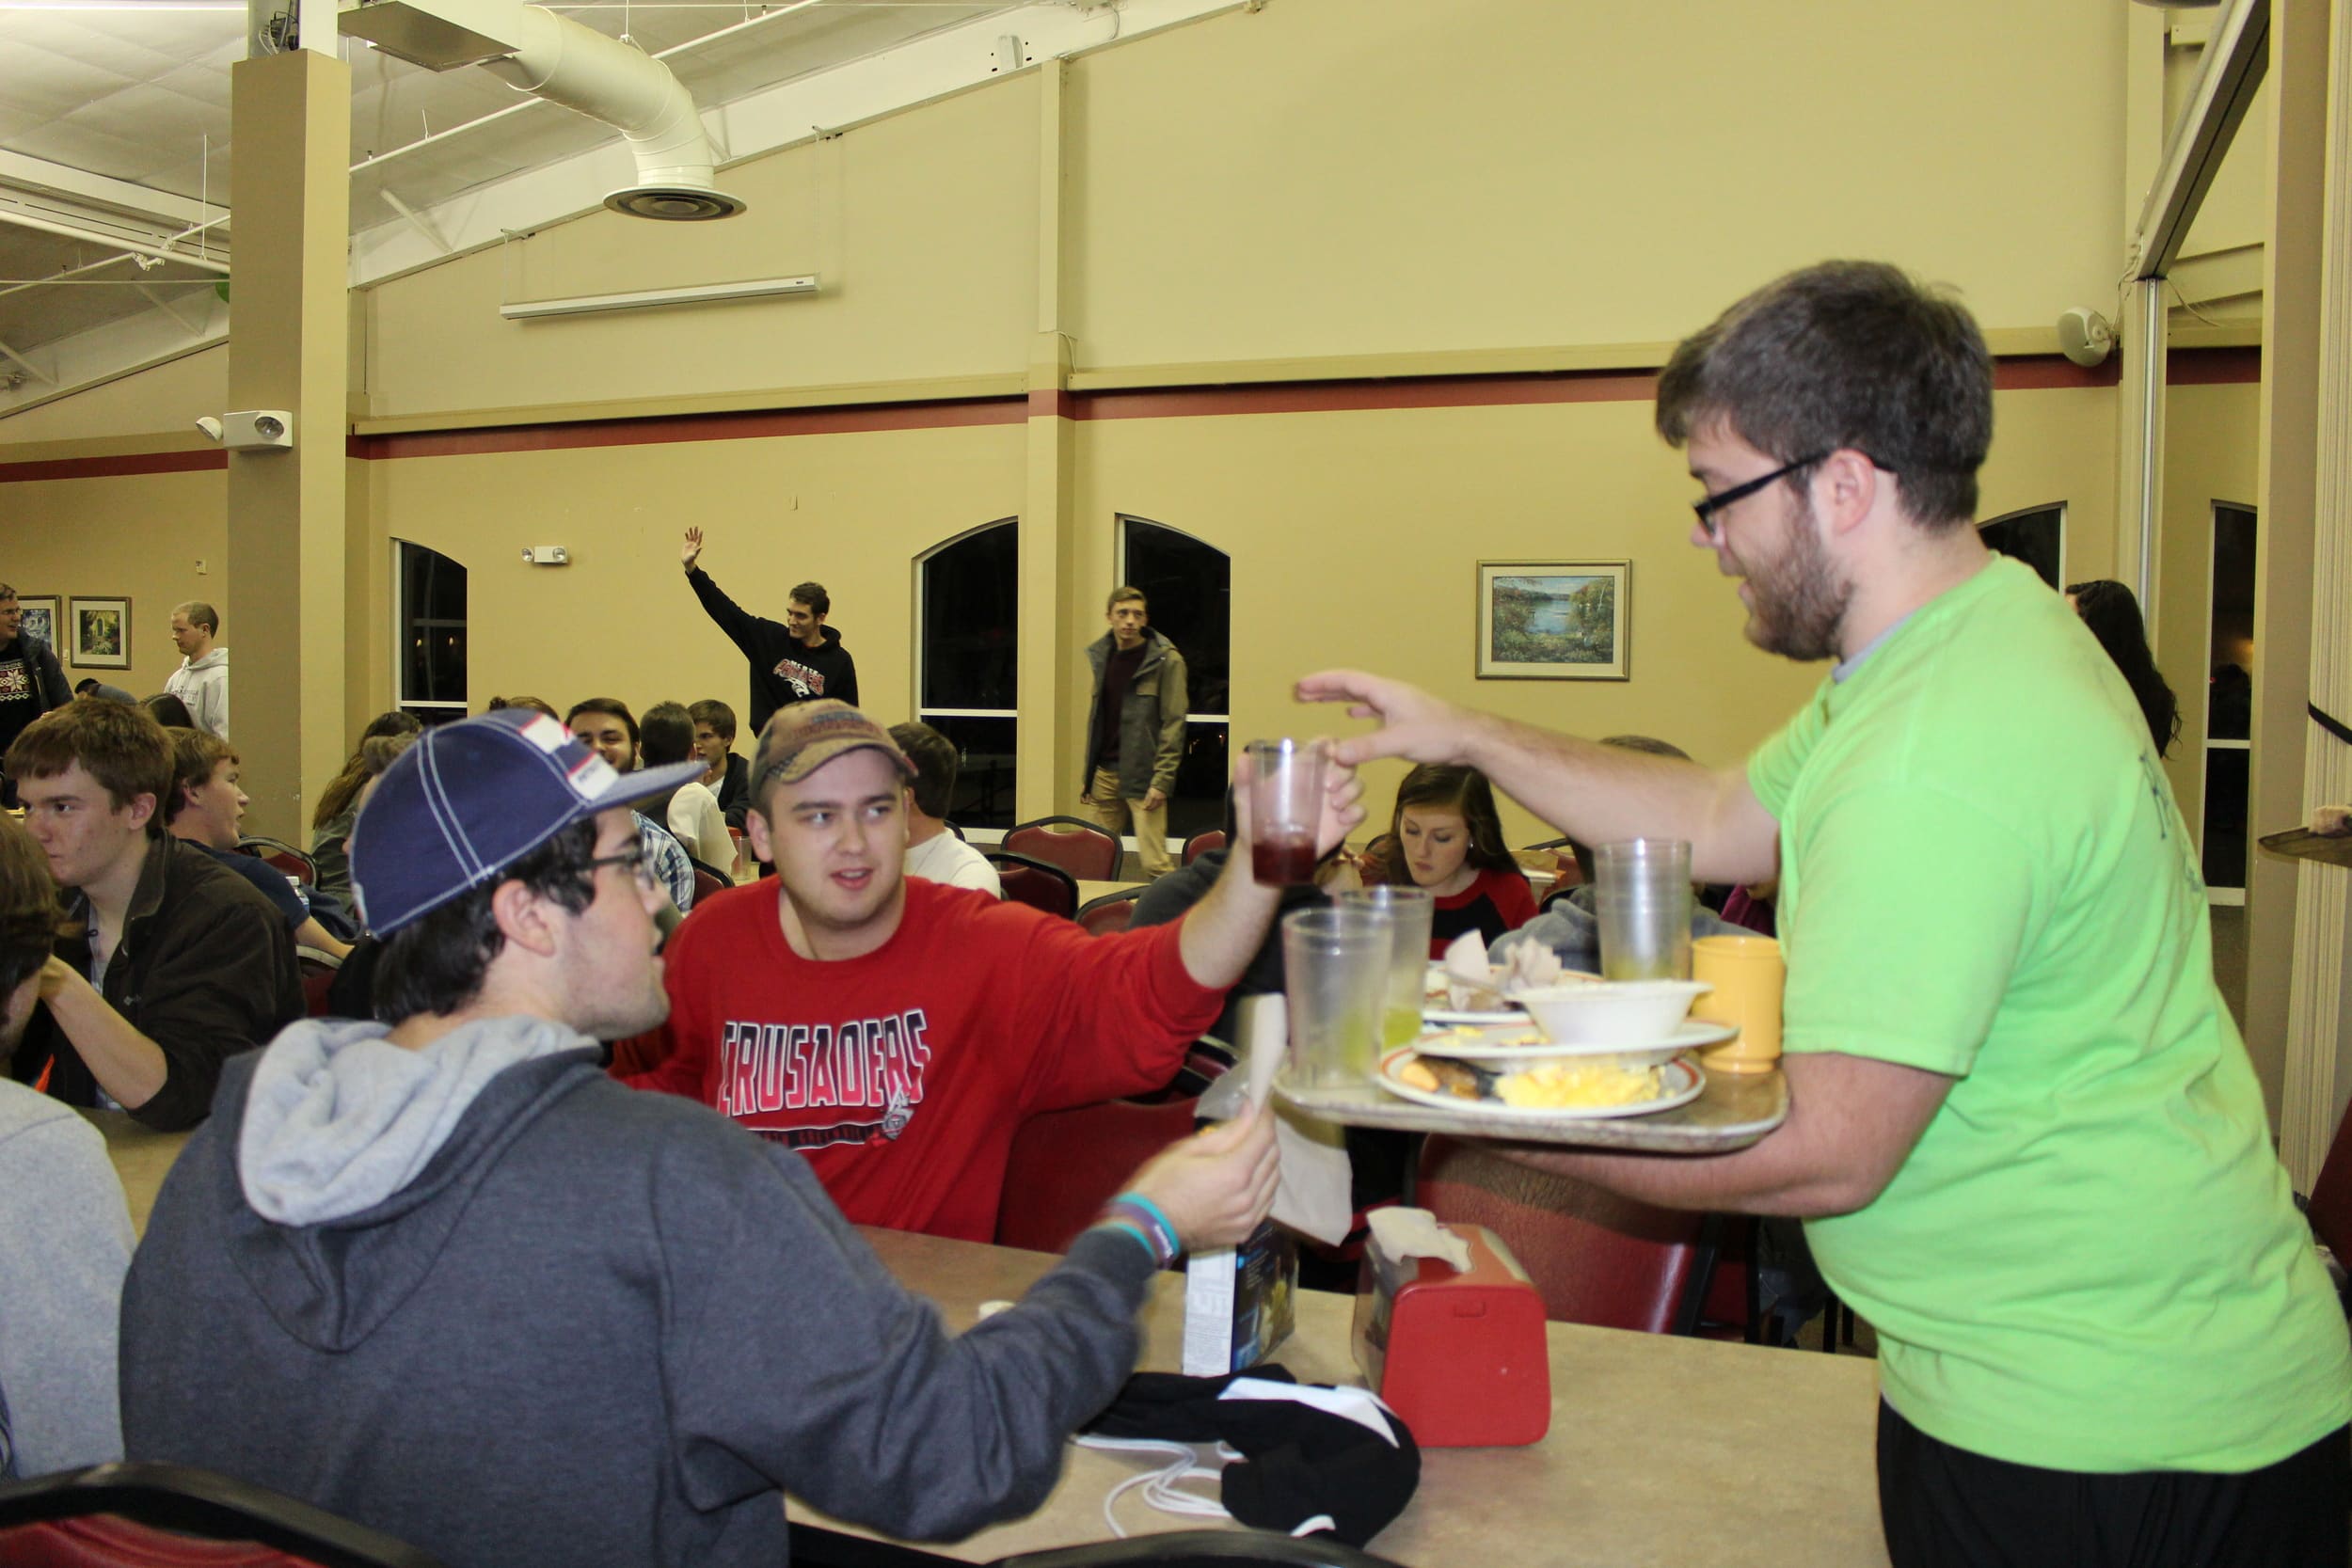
(1082, 849)
(1200, 844)
(289, 860)
(145, 1515)
(1066, 1164)
(1594, 1257)
(1037, 883)
(1113, 911)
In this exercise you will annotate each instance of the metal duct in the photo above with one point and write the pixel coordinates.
(551, 56)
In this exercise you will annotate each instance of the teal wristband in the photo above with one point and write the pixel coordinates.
(1150, 1207)
(1129, 1227)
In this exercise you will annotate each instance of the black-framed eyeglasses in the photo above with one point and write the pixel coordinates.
(1707, 507)
(639, 865)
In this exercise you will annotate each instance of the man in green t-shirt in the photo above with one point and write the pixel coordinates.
(2023, 1132)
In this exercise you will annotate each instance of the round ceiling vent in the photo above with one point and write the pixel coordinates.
(675, 204)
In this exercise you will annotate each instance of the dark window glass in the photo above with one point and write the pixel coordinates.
(2225, 816)
(984, 784)
(2229, 711)
(432, 627)
(1188, 587)
(971, 611)
(2034, 537)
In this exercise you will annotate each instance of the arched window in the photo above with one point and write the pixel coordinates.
(967, 618)
(429, 623)
(1187, 585)
(2035, 536)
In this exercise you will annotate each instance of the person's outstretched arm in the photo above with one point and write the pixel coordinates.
(742, 628)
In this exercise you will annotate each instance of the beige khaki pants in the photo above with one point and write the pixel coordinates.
(1149, 827)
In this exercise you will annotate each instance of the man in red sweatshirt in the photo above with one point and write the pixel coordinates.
(898, 1031)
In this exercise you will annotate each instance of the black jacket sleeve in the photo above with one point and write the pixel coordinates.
(849, 686)
(49, 682)
(213, 986)
(750, 633)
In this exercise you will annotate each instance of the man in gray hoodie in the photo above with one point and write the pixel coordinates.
(445, 1278)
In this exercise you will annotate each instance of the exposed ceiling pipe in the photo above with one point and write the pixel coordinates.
(551, 56)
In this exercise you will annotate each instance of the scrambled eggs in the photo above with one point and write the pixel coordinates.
(1563, 1085)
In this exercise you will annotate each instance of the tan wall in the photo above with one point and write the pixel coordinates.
(166, 399)
(140, 536)
(2211, 444)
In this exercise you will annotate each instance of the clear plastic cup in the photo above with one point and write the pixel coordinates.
(1335, 975)
(1409, 910)
(1285, 804)
(1642, 901)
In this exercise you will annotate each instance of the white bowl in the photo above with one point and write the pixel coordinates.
(1597, 1012)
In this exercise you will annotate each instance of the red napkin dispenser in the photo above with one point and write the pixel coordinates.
(1461, 1357)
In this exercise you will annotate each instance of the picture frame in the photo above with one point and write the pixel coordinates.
(1554, 619)
(41, 618)
(98, 633)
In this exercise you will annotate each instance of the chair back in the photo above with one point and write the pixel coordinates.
(1594, 1258)
(319, 970)
(1204, 1548)
(1066, 1164)
(1110, 912)
(1081, 848)
(1036, 883)
(288, 859)
(143, 1516)
(1200, 844)
(707, 882)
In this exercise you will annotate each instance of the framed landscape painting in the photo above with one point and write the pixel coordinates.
(41, 617)
(1553, 620)
(97, 634)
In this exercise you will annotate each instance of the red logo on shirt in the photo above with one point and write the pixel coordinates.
(805, 682)
(816, 1083)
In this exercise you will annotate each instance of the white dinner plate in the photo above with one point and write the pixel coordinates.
(1681, 1082)
(1520, 1041)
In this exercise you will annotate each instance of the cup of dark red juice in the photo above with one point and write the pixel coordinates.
(1285, 804)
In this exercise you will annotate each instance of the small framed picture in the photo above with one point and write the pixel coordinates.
(98, 633)
(41, 617)
(1553, 620)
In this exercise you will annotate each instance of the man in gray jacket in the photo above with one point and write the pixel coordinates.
(444, 1276)
(1134, 728)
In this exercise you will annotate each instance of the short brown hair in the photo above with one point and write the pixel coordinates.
(200, 614)
(116, 744)
(31, 920)
(1122, 595)
(814, 596)
(1846, 356)
(936, 764)
(194, 753)
(720, 717)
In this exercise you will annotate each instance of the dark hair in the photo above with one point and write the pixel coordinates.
(118, 745)
(1122, 595)
(31, 920)
(167, 709)
(1583, 853)
(436, 963)
(936, 764)
(669, 733)
(1462, 790)
(81, 687)
(814, 596)
(612, 705)
(1846, 356)
(720, 717)
(539, 704)
(200, 614)
(2108, 608)
(194, 753)
(344, 788)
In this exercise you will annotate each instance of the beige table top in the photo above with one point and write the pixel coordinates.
(1662, 1451)
(1088, 892)
(141, 1156)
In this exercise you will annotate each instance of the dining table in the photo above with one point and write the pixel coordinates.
(1660, 1450)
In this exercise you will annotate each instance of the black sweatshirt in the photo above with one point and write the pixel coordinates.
(783, 671)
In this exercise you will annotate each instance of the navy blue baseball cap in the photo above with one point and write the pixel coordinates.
(472, 797)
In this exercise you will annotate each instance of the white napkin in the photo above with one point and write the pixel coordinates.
(1401, 1234)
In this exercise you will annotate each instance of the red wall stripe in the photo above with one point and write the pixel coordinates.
(2184, 367)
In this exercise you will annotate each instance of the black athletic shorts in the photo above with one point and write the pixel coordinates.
(1948, 1508)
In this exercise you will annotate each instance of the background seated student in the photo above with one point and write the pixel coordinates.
(330, 824)
(1446, 836)
(724, 774)
(177, 964)
(934, 853)
(406, 1237)
(606, 724)
(65, 1232)
(205, 804)
(691, 812)
(897, 1031)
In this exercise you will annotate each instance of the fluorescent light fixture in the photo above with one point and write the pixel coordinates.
(701, 293)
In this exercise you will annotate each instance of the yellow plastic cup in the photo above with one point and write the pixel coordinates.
(1748, 975)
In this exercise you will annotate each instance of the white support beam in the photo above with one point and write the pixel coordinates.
(149, 293)
(160, 209)
(26, 365)
(2235, 59)
(24, 212)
